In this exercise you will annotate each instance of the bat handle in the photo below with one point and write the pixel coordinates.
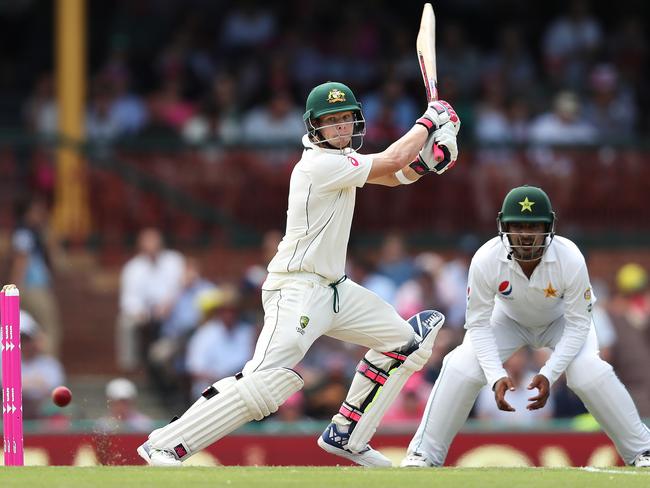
(438, 153)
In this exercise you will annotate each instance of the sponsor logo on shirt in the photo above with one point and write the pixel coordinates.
(505, 288)
(587, 294)
(353, 161)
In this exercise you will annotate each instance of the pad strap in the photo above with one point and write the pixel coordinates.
(350, 412)
(372, 372)
(396, 356)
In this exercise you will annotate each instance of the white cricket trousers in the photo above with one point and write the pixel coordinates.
(299, 308)
(591, 378)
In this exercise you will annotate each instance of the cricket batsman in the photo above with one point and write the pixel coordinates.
(527, 287)
(307, 293)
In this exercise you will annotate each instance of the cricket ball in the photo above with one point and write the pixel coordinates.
(61, 396)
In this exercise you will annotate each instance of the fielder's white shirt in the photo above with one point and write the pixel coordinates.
(559, 286)
(321, 205)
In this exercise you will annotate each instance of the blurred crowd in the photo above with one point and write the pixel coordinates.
(239, 72)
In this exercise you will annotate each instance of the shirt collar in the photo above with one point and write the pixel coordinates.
(306, 142)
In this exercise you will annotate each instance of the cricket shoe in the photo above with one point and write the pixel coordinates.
(157, 457)
(415, 460)
(642, 460)
(334, 440)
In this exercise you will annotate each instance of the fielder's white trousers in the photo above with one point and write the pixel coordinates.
(591, 378)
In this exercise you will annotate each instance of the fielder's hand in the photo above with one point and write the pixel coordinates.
(540, 382)
(500, 388)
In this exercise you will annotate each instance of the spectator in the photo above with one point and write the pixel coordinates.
(100, 124)
(389, 112)
(32, 267)
(630, 313)
(279, 121)
(222, 330)
(611, 108)
(41, 372)
(564, 125)
(394, 262)
(127, 109)
(40, 111)
(512, 65)
(166, 356)
(421, 291)
(122, 415)
(247, 26)
(570, 43)
(149, 283)
(364, 272)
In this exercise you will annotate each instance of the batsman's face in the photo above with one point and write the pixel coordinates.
(337, 128)
(527, 239)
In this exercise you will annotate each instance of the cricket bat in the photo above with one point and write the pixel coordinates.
(426, 48)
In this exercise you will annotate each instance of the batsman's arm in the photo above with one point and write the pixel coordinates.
(398, 155)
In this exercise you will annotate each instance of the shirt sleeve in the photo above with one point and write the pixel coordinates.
(480, 303)
(336, 171)
(577, 321)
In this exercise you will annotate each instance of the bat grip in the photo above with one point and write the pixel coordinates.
(438, 154)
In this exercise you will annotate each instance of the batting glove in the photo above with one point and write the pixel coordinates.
(438, 113)
(445, 139)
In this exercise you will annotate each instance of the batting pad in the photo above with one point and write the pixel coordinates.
(369, 421)
(252, 397)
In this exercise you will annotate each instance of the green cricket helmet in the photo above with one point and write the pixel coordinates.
(330, 98)
(529, 205)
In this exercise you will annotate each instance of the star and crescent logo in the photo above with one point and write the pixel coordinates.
(335, 96)
(526, 205)
(549, 291)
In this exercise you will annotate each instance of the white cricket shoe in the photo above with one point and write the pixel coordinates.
(157, 457)
(642, 460)
(334, 440)
(415, 460)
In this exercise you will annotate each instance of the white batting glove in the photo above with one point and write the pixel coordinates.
(444, 138)
(436, 115)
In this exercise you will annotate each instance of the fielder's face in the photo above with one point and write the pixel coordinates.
(337, 128)
(527, 240)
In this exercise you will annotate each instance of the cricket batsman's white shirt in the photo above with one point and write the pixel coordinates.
(559, 286)
(321, 205)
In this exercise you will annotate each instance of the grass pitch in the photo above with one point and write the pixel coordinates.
(317, 477)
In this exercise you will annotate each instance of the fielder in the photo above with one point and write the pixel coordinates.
(527, 287)
(307, 294)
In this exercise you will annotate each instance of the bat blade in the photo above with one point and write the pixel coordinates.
(426, 49)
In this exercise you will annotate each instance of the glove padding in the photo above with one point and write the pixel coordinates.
(438, 113)
(445, 138)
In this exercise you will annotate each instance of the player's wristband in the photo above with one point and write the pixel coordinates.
(402, 178)
(419, 167)
(427, 124)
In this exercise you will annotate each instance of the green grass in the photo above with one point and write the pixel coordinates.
(305, 477)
